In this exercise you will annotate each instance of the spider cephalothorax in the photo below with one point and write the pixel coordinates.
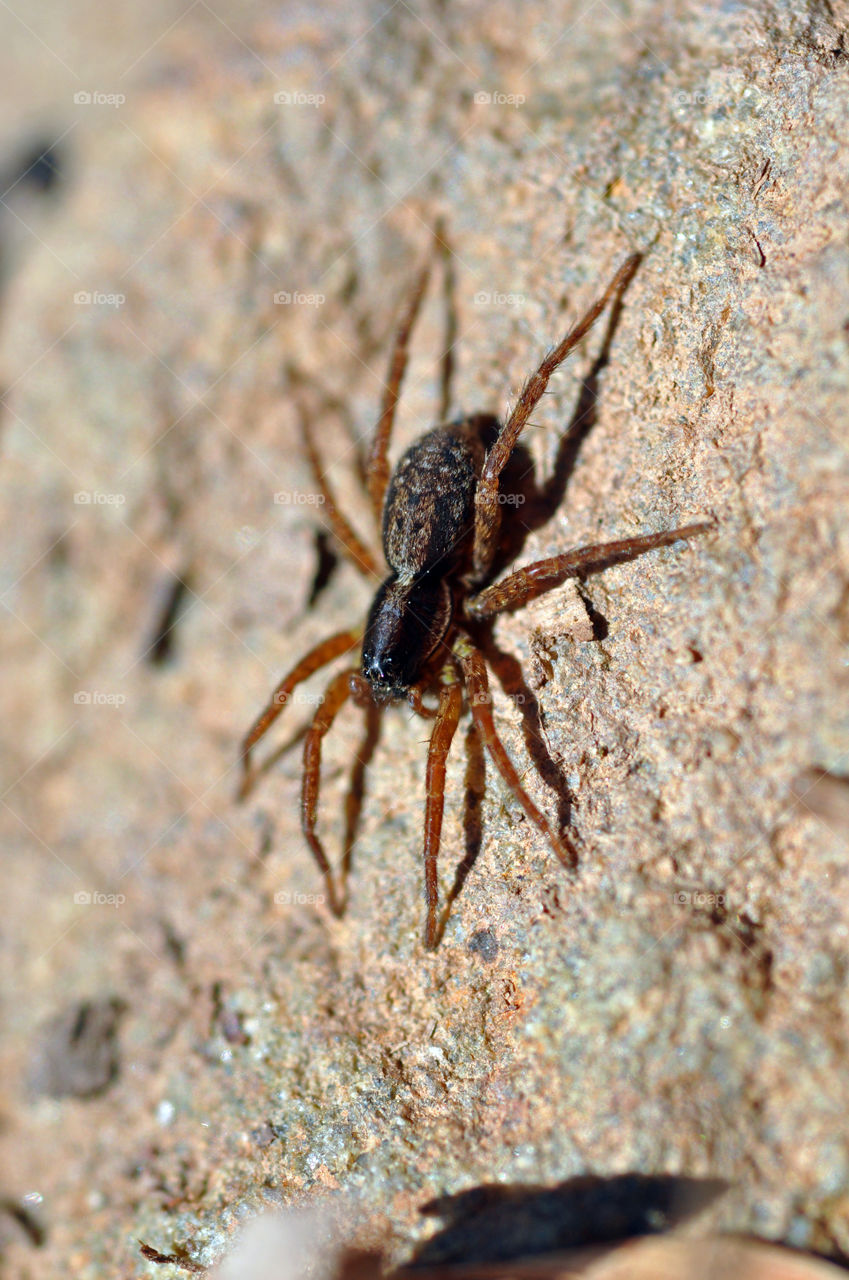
(406, 626)
(440, 514)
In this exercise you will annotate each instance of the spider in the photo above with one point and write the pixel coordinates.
(440, 513)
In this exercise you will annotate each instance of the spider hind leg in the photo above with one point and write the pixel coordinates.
(475, 676)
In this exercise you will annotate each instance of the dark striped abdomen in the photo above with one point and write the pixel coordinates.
(430, 503)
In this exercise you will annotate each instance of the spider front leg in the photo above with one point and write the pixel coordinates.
(320, 656)
(477, 683)
(341, 527)
(518, 588)
(377, 469)
(487, 509)
(447, 717)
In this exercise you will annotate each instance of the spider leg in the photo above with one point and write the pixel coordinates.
(449, 288)
(337, 694)
(475, 782)
(332, 647)
(477, 683)
(356, 790)
(518, 588)
(350, 541)
(447, 717)
(487, 510)
(414, 698)
(377, 468)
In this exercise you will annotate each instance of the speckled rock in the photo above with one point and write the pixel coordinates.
(246, 223)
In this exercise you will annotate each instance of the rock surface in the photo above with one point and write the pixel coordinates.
(681, 1005)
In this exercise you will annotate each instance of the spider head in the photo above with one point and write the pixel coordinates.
(405, 625)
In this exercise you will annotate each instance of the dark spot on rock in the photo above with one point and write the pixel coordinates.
(484, 943)
(76, 1052)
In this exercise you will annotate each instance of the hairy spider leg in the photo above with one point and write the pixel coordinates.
(535, 579)
(487, 509)
(356, 788)
(475, 786)
(414, 698)
(377, 469)
(335, 697)
(449, 289)
(447, 718)
(333, 647)
(477, 683)
(349, 540)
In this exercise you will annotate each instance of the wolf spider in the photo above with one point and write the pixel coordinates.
(440, 513)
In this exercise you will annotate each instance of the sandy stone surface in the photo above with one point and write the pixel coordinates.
(678, 1006)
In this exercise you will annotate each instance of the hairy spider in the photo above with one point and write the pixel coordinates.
(428, 627)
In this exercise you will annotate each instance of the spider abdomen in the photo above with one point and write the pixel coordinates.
(430, 504)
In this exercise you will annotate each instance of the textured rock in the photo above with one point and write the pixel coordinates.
(681, 1006)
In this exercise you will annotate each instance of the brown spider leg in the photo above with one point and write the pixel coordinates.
(447, 717)
(475, 782)
(449, 288)
(337, 694)
(518, 588)
(356, 789)
(477, 683)
(414, 697)
(377, 468)
(350, 541)
(332, 647)
(487, 510)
